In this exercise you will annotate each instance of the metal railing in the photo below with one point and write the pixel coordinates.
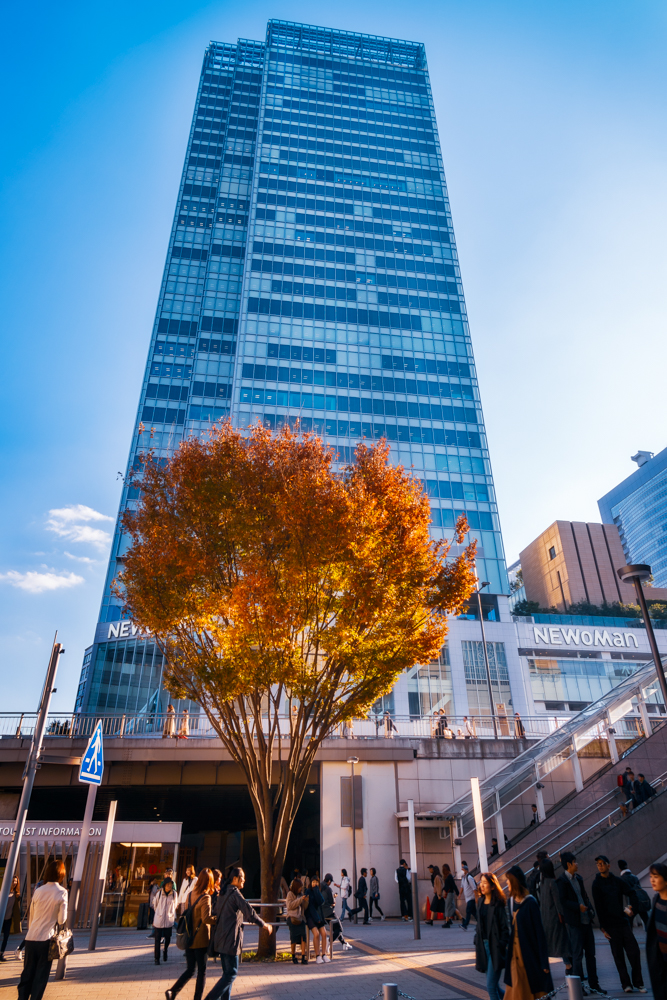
(197, 725)
(583, 837)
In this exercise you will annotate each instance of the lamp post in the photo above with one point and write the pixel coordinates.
(352, 761)
(636, 574)
(478, 592)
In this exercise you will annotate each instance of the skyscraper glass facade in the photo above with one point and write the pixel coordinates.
(638, 507)
(312, 275)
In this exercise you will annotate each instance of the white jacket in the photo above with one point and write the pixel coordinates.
(186, 885)
(165, 909)
(48, 907)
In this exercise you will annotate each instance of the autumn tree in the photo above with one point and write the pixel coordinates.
(287, 596)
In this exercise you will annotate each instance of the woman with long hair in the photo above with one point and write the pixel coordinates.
(198, 901)
(12, 914)
(451, 894)
(527, 974)
(315, 920)
(437, 903)
(492, 934)
(551, 911)
(656, 932)
(295, 902)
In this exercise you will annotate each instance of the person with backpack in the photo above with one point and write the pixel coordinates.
(164, 914)
(468, 891)
(193, 933)
(643, 898)
(615, 922)
(231, 910)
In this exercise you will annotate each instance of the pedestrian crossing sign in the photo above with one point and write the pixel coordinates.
(92, 762)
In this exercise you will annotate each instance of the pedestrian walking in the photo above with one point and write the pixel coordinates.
(527, 965)
(451, 894)
(534, 878)
(12, 915)
(656, 932)
(48, 911)
(374, 894)
(519, 729)
(469, 729)
(197, 905)
(186, 885)
(231, 910)
(153, 891)
(360, 897)
(492, 934)
(468, 891)
(345, 886)
(296, 900)
(615, 920)
(329, 912)
(438, 900)
(578, 915)
(403, 876)
(551, 911)
(163, 919)
(643, 898)
(169, 727)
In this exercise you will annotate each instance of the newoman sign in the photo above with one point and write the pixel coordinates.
(560, 636)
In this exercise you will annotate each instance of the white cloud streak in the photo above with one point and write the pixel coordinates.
(73, 523)
(35, 582)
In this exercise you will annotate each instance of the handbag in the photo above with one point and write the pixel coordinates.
(61, 944)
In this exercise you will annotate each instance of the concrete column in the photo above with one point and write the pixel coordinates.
(646, 718)
(611, 739)
(539, 797)
(576, 769)
(500, 829)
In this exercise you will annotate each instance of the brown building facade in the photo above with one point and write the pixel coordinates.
(575, 561)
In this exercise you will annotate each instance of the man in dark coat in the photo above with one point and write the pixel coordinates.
(360, 896)
(644, 790)
(231, 910)
(608, 893)
(643, 898)
(578, 915)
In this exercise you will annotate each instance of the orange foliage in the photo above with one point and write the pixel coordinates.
(271, 579)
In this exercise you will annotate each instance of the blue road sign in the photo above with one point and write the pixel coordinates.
(92, 762)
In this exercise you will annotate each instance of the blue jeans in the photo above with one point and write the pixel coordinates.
(344, 908)
(492, 977)
(223, 987)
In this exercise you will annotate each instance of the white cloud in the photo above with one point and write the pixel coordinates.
(72, 523)
(83, 559)
(36, 583)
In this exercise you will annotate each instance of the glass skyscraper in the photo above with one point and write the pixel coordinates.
(311, 275)
(638, 508)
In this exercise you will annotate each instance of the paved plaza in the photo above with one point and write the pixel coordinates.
(441, 966)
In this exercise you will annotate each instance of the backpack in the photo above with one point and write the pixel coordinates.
(185, 929)
(643, 900)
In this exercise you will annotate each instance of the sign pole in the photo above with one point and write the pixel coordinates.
(91, 769)
(99, 891)
(31, 765)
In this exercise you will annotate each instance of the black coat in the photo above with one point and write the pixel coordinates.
(499, 935)
(528, 928)
(608, 896)
(644, 790)
(362, 888)
(569, 901)
(657, 967)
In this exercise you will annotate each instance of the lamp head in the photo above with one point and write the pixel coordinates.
(353, 760)
(639, 571)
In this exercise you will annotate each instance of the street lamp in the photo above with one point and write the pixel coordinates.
(636, 574)
(352, 761)
(478, 592)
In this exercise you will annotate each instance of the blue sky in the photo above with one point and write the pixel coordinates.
(553, 122)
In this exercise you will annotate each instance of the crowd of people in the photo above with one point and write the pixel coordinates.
(540, 916)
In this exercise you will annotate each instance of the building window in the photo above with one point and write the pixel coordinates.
(552, 552)
(476, 680)
(430, 687)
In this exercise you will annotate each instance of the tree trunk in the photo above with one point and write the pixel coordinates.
(270, 873)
